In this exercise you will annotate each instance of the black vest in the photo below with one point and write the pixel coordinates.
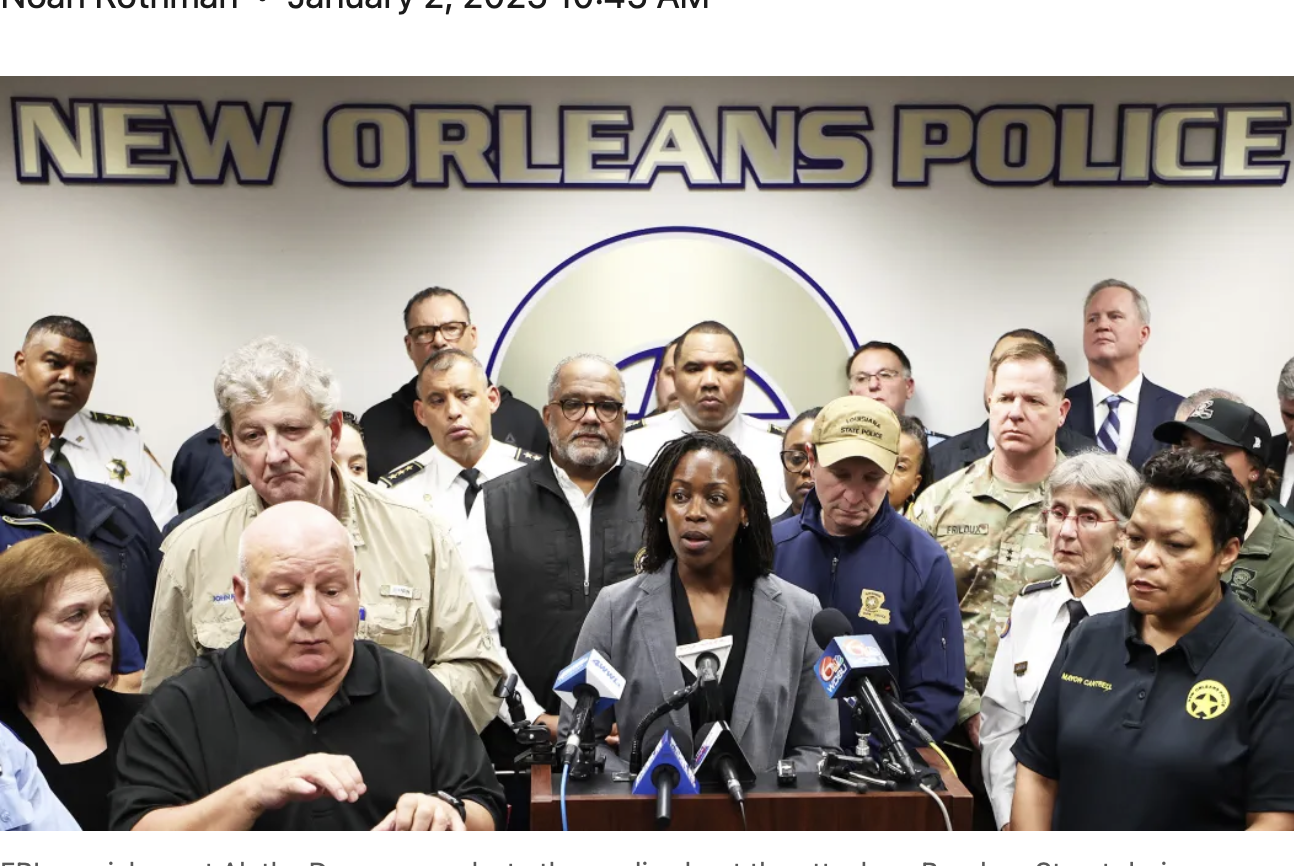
(539, 563)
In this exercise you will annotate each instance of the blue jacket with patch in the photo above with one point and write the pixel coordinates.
(120, 529)
(894, 582)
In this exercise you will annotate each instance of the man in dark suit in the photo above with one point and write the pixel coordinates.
(434, 319)
(957, 452)
(1117, 404)
(1282, 455)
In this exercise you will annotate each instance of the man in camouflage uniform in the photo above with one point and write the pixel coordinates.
(988, 515)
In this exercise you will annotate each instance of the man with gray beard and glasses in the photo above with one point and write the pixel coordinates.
(543, 540)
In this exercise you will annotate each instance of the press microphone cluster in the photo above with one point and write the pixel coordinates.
(706, 660)
(848, 670)
(666, 773)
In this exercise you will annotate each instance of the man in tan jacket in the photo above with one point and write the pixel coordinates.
(280, 424)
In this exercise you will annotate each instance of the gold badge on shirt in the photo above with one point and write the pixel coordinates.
(872, 607)
(117, 470)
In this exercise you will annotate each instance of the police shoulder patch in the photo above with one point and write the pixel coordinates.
(401, 473)
(115, 420)
(527, 456)
(635, 425)
(1040, 585)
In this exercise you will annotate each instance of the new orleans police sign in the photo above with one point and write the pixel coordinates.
(608, 147)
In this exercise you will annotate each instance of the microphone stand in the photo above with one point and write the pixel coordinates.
(676, 701)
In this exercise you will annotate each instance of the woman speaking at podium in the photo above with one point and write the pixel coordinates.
(706, 573)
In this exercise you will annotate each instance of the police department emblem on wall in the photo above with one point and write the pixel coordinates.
(628, 296)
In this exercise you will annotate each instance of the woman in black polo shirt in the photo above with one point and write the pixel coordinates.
(1175, 713)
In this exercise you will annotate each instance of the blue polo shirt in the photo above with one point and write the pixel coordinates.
(1191, 739)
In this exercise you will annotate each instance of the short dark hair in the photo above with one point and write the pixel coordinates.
(880, 344)
(64, 326)
(913, 426)
(806, 415)
(752, 552)
(710, 327)
(435, 292)
(349, 419)
(1206, 476)
(1033, 352)
(1027, 334)
(27, 569)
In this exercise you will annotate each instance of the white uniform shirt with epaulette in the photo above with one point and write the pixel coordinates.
(1025, 652)
(109, 449)
(758, 440)
(433, 479)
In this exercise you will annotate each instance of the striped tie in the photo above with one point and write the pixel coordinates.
(1108, 437)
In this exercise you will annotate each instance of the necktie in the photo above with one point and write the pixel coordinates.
(58, 458)
(1108, 436)
(471, 476)
(1077, 613)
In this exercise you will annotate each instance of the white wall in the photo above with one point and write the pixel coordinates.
(171, 278)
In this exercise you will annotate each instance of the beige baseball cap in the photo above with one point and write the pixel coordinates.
(856, 427)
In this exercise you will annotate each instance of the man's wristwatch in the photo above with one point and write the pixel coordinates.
(458, 804)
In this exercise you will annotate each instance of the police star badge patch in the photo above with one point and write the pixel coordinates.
(117, 470)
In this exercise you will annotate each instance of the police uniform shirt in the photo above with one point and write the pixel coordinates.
(758, 440)
(433, 480)
(1192, 739)
(109, 449)
(1025, 652)
(218, 721)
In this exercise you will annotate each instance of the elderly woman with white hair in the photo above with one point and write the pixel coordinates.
(1087, 500)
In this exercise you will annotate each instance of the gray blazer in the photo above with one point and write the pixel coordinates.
(780, 712)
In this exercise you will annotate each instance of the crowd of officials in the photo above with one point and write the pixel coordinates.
(1088, 600)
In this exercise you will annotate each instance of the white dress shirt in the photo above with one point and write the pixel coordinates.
(433, 480)
(109, 449)
(1127, 410)
(479, 559)
(1025, 653)
(1287, 477)
(758, 440)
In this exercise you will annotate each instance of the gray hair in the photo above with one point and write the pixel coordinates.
(1143, 306)
(554, 381)
(1285, 387)
(266, 366)
(442, 360)
(1106, 476)
(1193, 402)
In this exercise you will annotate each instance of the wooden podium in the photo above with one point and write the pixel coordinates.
(601, 804)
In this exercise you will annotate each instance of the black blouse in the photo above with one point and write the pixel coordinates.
(82, 787)
(736, 622)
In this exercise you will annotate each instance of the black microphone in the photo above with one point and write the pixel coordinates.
(719, 762)
(847, 665)
(666, 774)
(588, 686)
(706, 660)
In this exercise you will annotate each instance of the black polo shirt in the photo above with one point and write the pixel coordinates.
(1192, 739)
(219, 721)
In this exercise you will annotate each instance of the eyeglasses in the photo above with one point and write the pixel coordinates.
(1086, 521)
(453, 332)
(794, 461)
(882, 375)
(574, 410)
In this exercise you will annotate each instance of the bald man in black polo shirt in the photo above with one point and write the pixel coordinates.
(298, 725)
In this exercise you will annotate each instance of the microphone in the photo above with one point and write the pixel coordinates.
(675, 701)
(506, 689)
(706, 660)
(666, 774)
(846, 667)
(588, 685)
(719, 762)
